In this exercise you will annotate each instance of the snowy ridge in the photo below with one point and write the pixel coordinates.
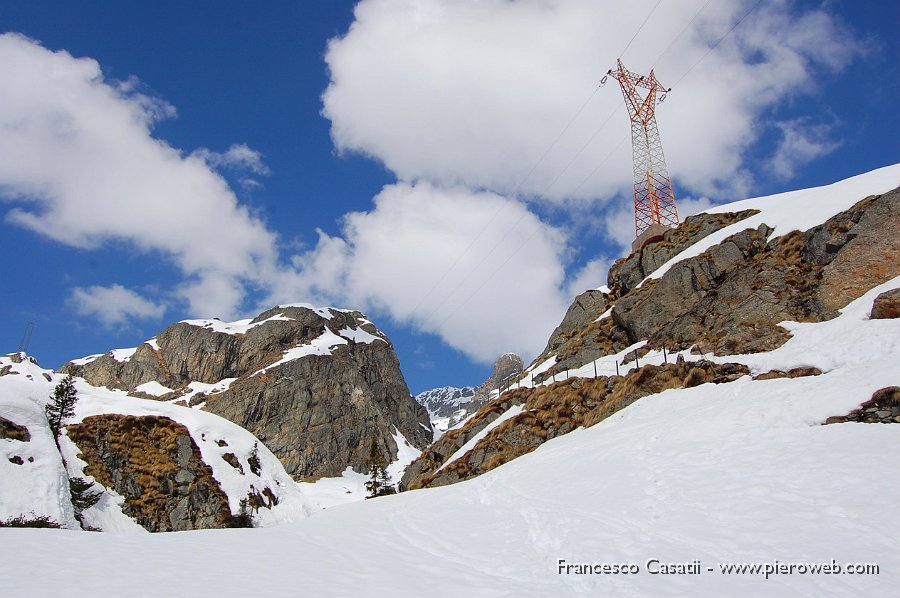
(794, 210)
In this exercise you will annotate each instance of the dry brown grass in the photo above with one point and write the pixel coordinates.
(138, 458)
(13, 431)
(557, 409)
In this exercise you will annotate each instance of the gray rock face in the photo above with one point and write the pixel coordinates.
(505, 367)
(628, 272)
(315, 385)
(155, 465)
(730, 299)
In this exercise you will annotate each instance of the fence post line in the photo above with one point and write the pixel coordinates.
(617, 367)
(665, 359)
(636, 362)
(595, 368)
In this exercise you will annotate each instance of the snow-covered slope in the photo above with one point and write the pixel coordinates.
(736, 473)
(40, 486)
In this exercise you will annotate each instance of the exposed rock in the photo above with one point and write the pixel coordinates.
(628, 272)
(883, 407)
(506, 367)
(548, 412)
(870, 256)
(314, 385)
(581, 314)
(155, 465)
(13, 431)
(793, 373)
(886, 305)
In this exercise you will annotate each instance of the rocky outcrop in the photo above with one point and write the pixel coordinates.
(506, 367)
(882, 408)
(547, 412)
(13, 431)
(626, 273)
(155, 465)
(886, 305)
(869, 256)
(730, 298)
(315, 385)
(727, 300)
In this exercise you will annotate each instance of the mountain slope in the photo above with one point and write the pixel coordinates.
(735, 473)
(717, 287)
(314, 384)
(742, 472)
(214, 464)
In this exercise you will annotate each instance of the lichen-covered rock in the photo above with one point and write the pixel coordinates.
(730, 299)
(628, 272)
(315, 385)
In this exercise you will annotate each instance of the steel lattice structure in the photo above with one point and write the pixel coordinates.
(654, 199)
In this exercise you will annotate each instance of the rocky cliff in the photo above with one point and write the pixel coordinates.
(718, 285)
(315, 385)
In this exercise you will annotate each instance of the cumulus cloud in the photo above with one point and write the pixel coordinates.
(114, 305)
(464, 100)
(83, 168)
(473, 93)
(476, 268)
(800, 143)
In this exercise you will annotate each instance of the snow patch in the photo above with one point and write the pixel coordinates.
(123, 354)
(153, 388)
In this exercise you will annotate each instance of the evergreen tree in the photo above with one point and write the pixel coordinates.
(61, 406)
(379, 483)
(82, 497)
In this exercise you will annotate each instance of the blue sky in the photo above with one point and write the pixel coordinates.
(448, 167)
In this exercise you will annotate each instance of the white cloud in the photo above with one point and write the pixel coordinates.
(473, 93)
(81, 165)
(476, 268)
(592, 276)
(239, 157)
(800, 143)
(114, 305)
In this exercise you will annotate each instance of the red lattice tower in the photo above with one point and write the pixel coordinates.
(654, 199)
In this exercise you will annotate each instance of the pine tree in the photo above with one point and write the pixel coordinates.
(82, 497)
(379, 483)
(61, 406)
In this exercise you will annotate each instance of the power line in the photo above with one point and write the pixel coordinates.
(502, 206)
(533, 168)
(716, 45)
(528, 239)
(647, 18)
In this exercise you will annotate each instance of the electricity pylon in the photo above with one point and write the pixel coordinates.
(654, 199)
